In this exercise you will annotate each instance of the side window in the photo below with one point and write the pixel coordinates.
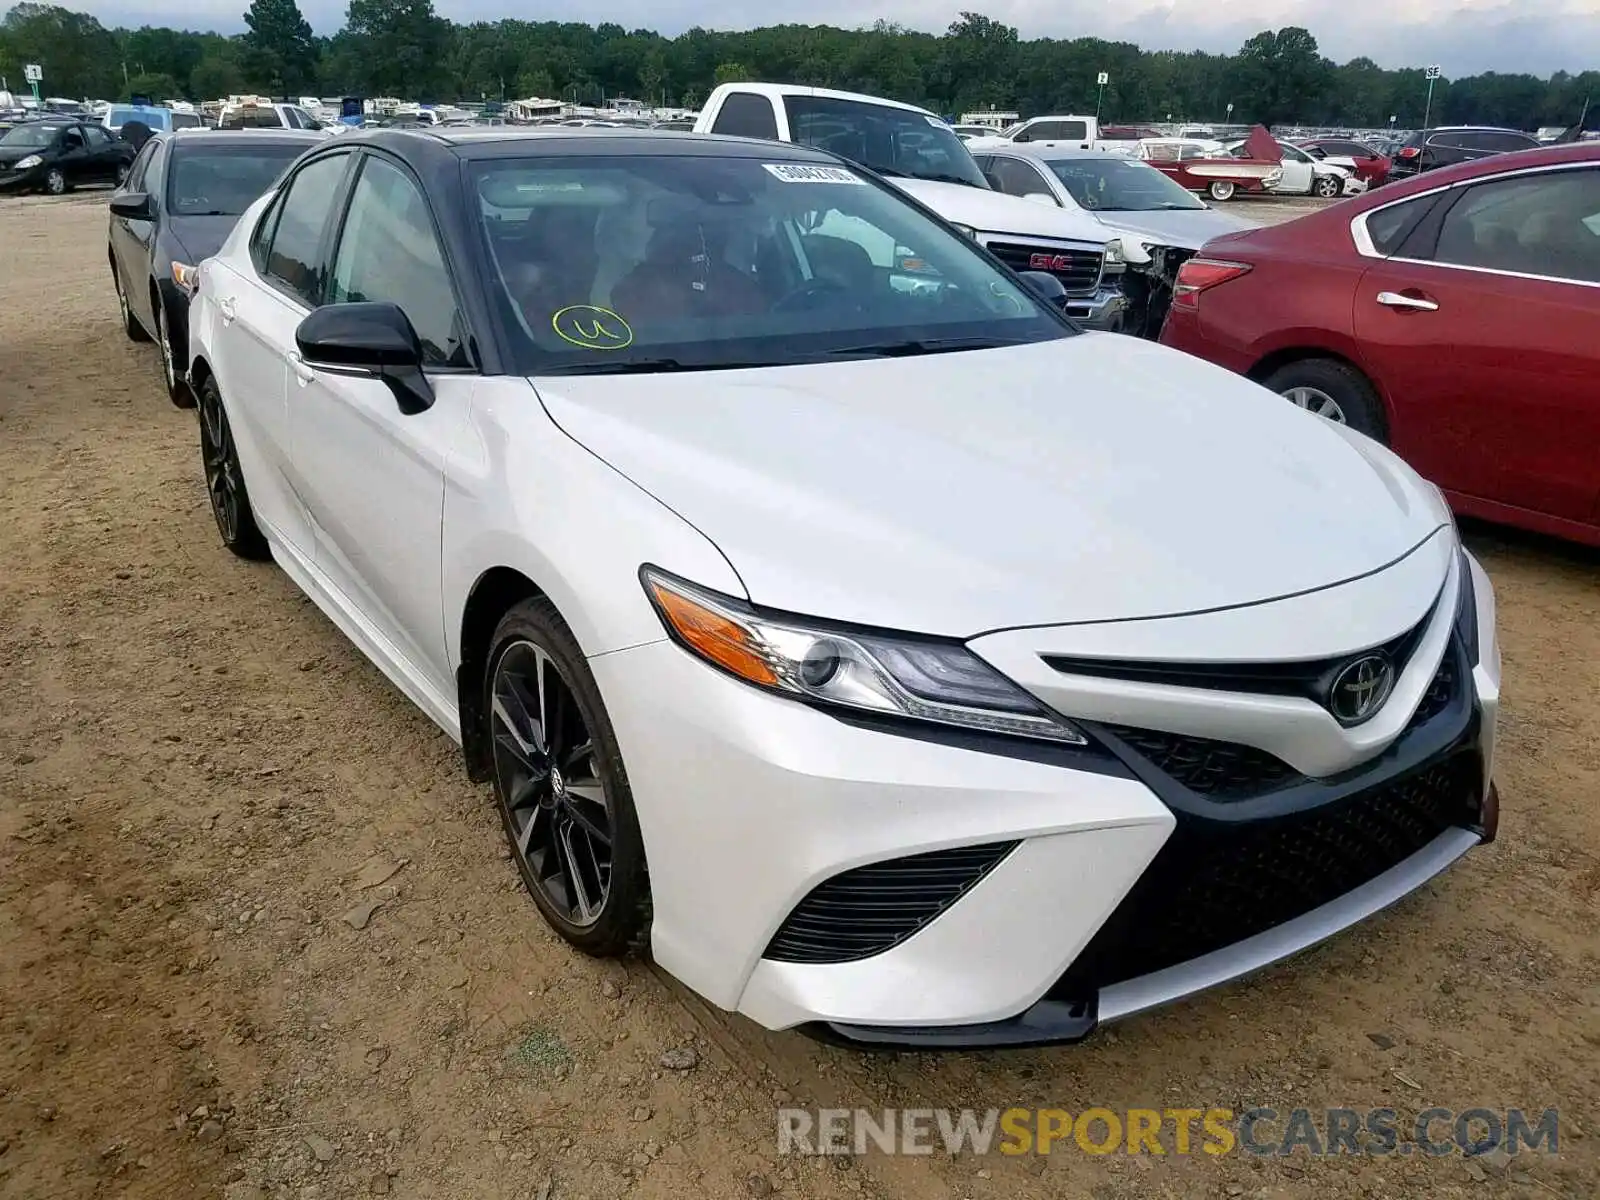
(1389, 227)
(745, 114)
(389, 250)
(99, 139)
(1072, 131)
(1508, 141)
(1039, 131)
(1018, 178)
(141, 161)
(293, 255)
(155, 174)
(72, 138)
(185, 121)
(1531, 224)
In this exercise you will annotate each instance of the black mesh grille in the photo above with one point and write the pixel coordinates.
(1439, 694)
(1078, 270)
(867, 910)
(1221, 770)
(1215, 883)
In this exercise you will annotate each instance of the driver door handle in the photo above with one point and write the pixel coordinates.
(229, 309)
(1402, 301)
(304, 373)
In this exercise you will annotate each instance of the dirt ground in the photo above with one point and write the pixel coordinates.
(203, 788)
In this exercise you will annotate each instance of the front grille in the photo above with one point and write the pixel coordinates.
(1215, 883)
(869, 909)
(1078, 270)
(1220, 770)
(1439, 694)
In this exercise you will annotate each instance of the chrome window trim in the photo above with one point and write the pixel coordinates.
(1366, 249)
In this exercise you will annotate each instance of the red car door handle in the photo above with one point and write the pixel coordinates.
(1402, 301)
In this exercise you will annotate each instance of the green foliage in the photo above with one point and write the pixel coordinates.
(279, 49)
(158, 87)
(403, 48)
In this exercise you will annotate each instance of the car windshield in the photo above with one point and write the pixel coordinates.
(223, 181)
(32, 136)
(1108, 184)
(660, 263)
(891, 141)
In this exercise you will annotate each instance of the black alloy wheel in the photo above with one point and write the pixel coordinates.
(563, 795)
(230, 502)
(130, 323)
(177, 387)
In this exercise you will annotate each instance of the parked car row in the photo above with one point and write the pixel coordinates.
(745, 564)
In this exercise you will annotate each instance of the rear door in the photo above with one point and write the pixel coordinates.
(138, 237)
(1481, 330)
(258, 313)
(105, 154)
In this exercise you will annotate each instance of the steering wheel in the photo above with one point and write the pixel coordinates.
(809, 296)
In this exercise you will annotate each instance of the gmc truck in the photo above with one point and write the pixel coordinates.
(921, 155)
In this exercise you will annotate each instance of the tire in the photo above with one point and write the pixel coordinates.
(554, 805)
(1327, 187)
(230, 500)
(122, 174)
(55, 182)
(177, 387)
(1221, 189)
(1315, 383)
(130, 323)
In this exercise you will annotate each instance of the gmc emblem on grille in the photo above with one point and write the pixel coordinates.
(1049, 262)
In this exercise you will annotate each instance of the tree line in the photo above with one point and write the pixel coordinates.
(404, 48)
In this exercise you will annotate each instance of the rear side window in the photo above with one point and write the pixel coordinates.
(1389, 227)
(1506, 142)
(1546, 224)
(293, 255)
(1054, 131)
(745, 114)
(185, 121)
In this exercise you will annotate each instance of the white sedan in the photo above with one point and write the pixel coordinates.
(892, 658)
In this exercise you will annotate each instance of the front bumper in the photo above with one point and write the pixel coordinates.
(1105, 887)
(12, 182)
(1108, 310)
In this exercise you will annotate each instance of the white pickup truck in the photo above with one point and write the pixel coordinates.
(922, 156)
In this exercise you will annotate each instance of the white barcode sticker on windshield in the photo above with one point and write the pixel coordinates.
(806, 173)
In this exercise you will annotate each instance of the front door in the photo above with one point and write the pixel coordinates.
(373, 476)
(1481, 330)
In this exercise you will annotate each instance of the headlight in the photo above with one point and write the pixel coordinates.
(22, 164)
(185, 276)
(922, 679)
(968, 230)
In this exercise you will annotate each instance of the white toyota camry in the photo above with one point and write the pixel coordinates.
(895, 659)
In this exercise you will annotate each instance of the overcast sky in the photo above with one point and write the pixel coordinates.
(1464, 36)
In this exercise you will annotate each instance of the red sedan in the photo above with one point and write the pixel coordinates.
(1453, 316)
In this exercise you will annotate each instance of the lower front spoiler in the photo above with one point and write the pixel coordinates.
(1052, 1022)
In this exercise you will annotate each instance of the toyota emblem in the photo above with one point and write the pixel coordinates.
(1360, 688)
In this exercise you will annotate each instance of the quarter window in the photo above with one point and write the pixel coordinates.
(389, 251)
(1545, 224)
(1388, 227)
(745, 114)
(293, 257)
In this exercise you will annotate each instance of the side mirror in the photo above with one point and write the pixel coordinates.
(368, 339)
(1045, 286)
(133, 205)
(1044, 198)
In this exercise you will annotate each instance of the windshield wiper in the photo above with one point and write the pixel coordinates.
(204, 212)
(916, 346)
(652, 366)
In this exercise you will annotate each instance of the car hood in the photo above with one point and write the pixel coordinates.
(1189, 228)
(199, 237)
(1090, 478)
(995, 212)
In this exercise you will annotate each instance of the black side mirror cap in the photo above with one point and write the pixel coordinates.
(133, 205)
(368, 338)
(1046, 286)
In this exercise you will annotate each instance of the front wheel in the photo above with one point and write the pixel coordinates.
(55, 181)
(1327, 186)
(177, 388)
(130, 323)
(1333, 390)
(561, 787)
(230, 502)
(1221, 189)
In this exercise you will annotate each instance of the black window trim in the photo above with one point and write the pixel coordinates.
(1366, 249)
(341, 197)
(335, 235)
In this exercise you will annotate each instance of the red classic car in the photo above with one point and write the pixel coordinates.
(1220, 175)
(1450, 315)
